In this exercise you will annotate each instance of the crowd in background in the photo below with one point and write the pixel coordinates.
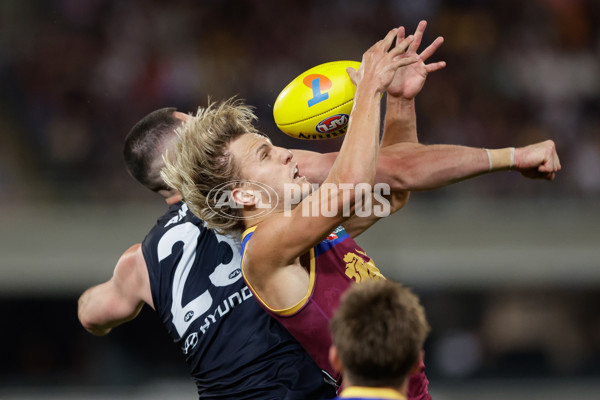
(76, 75)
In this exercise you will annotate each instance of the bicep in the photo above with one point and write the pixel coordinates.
(106, 304)
(284, 236)
(119, 299)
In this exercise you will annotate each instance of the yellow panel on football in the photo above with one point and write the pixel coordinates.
(317, 103)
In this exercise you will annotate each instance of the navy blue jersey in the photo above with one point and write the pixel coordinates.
(234, 349)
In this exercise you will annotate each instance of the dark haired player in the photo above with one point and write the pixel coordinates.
(182, 260)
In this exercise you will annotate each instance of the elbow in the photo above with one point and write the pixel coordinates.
(89, 324)
(401, 184)
(86, 322)
(391, 172)
(398, 200)
(95, 329)
(356, 178)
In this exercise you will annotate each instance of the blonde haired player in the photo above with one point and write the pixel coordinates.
(142, 277)
(279, 263)
(295, 274)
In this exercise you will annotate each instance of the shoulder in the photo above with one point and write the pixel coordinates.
(131, 258)
(177, 224)
(131, 273)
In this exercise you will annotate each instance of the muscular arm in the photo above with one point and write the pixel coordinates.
(408, 166)
(356, 163)
(417, 167)
(400, 123)
(105, 306)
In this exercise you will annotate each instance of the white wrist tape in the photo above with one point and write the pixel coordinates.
(501, 158)
(489, 159)
(512, 157)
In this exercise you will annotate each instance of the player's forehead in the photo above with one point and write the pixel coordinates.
(245, 147)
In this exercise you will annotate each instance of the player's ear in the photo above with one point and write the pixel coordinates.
(417, 367)
(243, 196)
(334, 359)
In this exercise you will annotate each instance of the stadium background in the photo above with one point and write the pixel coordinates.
(508, 268)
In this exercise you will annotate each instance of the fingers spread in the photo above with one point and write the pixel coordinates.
(404, 59)
(418, 36)
(401, 47)
(389, 39)
(432, 48)
(434, 66)
(400, 35)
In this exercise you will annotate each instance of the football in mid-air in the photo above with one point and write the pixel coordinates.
(317, 103)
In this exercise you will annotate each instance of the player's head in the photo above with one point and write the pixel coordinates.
(201, 160)
(220, 148)
(147, 142)
(378, 334)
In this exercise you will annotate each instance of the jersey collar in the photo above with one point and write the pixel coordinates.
(371, 392)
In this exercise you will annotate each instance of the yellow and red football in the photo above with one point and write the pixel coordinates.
(317, 103)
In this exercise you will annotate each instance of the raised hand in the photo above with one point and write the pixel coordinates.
(537, 161)
(409, 80)
(380, 62)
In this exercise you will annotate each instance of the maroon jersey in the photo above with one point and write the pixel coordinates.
(335, 264)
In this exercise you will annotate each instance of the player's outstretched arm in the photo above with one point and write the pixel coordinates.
(356, 163)
(105, 306)
(417, 167)
(400, 123)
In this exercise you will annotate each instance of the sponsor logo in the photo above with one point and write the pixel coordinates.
(214, 317)
(225, 307)
(180, 215)
(190, 342)
(333, 123)
(318, 136)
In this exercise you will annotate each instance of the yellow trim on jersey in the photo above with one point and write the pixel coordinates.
(371, 393)
(247, 231)
(311, 283)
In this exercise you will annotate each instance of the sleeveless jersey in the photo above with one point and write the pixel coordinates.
(234, 349)
(335, 264)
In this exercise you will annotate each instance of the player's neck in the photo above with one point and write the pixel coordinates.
(176, 198)
(254, 216)
(402, 389)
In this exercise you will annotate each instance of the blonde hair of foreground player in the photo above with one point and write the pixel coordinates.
(220, 145)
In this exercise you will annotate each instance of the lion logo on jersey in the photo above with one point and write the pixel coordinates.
(359, 269)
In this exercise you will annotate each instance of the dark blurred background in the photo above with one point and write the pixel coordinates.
(508, 268)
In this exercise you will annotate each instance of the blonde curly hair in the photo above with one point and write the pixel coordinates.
(201, 160)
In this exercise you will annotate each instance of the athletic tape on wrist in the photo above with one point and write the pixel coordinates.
(501, 158)
(491, 165)
(512, 157)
